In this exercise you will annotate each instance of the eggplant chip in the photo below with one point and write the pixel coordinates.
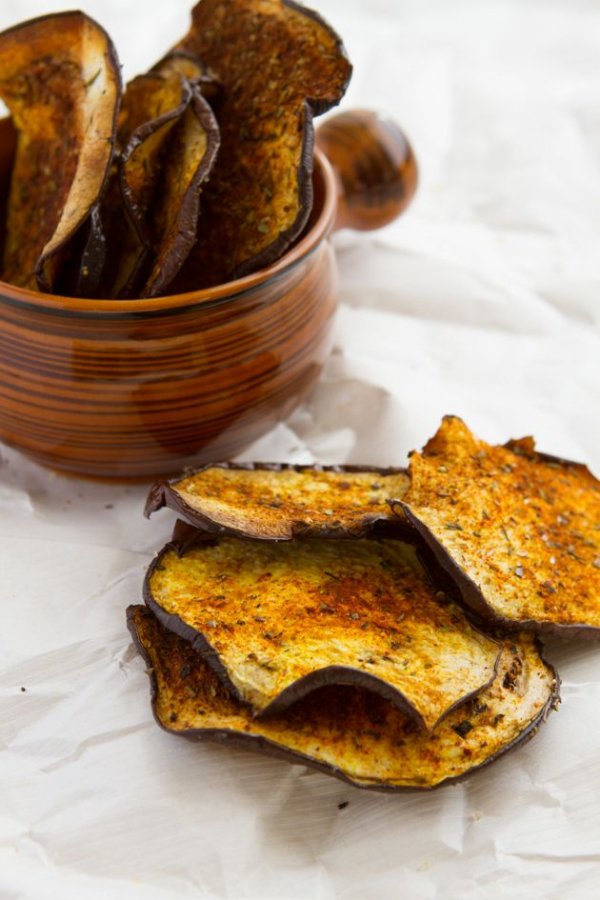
(279, 65)
(277, 620)
(170, 138)
(191, 152)
(349, 732)
(279, 502)
(519, 531)
(59, 77)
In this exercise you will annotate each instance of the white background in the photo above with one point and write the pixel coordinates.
(484, 300)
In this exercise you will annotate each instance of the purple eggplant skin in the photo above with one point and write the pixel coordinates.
(271, 749)
(162, 494)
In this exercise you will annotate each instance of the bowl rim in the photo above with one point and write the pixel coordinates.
(221, 292)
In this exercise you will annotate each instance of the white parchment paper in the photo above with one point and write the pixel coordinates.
(484, 300)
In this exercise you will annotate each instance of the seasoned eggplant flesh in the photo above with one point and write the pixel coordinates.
(518, 530)
(349, 732)
(279, 64)
(279, 502)
(59, 77)
(276, 620)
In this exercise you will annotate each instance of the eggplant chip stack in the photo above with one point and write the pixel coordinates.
(199, 172)
(302, 617)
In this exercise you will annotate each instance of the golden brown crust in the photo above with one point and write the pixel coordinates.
(276, 620)
(348, 732)
(518, 530)
(279, 64)
(59, 77)
(281, 501)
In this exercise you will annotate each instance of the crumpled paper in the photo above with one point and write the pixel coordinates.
(482, 301)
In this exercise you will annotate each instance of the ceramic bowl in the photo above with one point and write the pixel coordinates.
(139, 388)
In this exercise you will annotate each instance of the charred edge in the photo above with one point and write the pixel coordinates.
(208, 120)
(305, 201)
(474, 598)
(188, 214)
(46, 18)
(347, 675)
(156, 498)
(342, 675)
(555, 699)
(197, 520)
(177, 626)
(130, 614)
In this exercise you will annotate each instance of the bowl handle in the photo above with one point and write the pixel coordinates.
(375, 167)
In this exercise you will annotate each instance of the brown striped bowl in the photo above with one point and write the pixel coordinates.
(139, 388)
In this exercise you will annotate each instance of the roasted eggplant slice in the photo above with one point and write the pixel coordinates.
(519, 531)
(59, 77)
(279, 65)
(274, 501)
(192, 149)
(152, 105)
(169, 137)
(277, 620)
(349, 732)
